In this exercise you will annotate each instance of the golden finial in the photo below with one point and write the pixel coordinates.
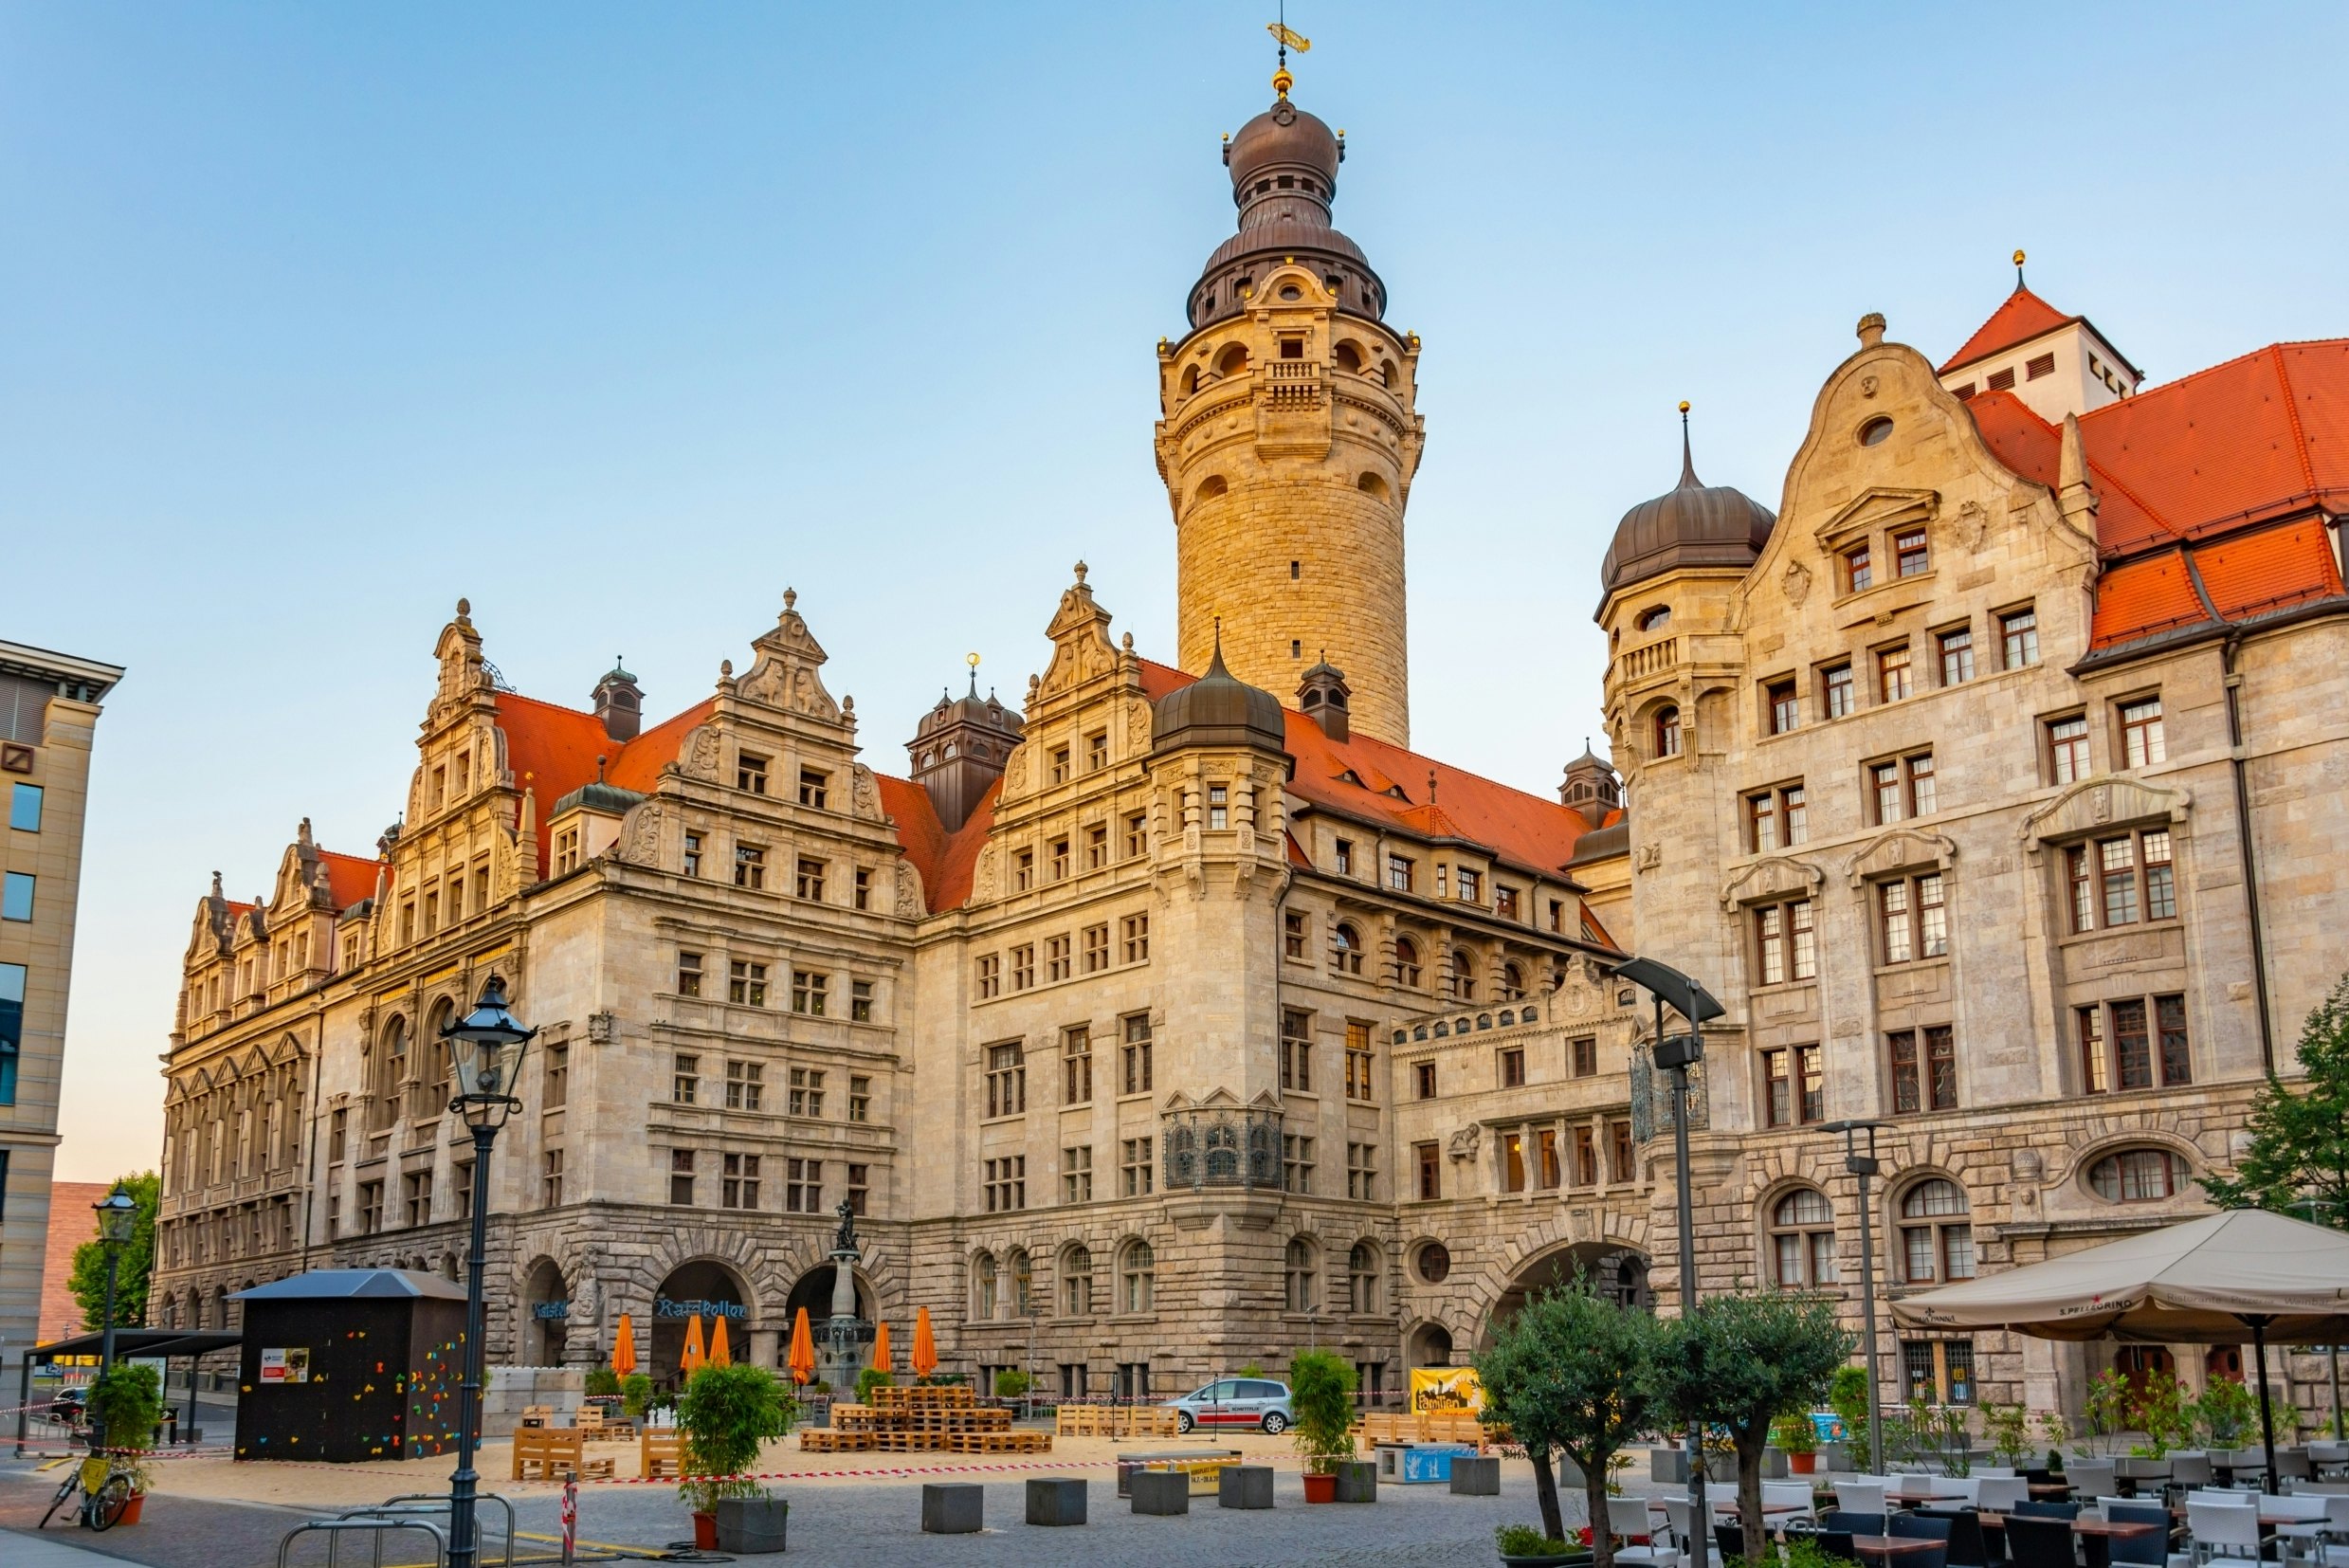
(1283, 81)
(1683, 405)
(2018, 270)
(972, 659)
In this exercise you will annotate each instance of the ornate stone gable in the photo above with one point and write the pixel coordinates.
(1900, 849)
(1081, 648)
(2095, 803)
(1772, 877)
(784, 673)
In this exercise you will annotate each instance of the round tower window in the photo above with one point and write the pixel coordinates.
(1435, 1263)
(1290, 291)
(1875, 431)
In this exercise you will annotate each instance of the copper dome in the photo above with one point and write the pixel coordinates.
(1218, 709)
(1283, 139)
(1691, 525)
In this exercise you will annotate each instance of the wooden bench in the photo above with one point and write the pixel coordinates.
(1452, 1426)
(660, 1454)
(550, 1451)
(1390, 1427)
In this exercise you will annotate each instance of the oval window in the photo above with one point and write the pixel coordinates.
(1875, 431)
(1290, 291)
(1435, 1263)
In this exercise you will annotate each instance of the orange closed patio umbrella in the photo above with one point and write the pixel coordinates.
(802, 1358)
(624, 1348)
(691, 1362)
(881, 1349)
(721, 1354)
(924, 1359)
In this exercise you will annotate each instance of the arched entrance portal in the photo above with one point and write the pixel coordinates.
(815, 1292)
(1431, 1346)
(546, 1303)
(708, 1288)
(1619, 1273)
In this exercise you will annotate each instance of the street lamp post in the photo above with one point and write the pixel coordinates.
(486, 1050)
(118, 1215)
(1694, 1003)
(1865, 1166)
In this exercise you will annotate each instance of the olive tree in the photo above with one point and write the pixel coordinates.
(1569, 1373)
(1737, 1362)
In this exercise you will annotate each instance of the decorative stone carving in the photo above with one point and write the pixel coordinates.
(1867, 386)
(1464, 1143)
(2094, 802)
(908, 891)
(699, 758)
(1772, 876)
(1900, 849)
(1015, 771)
(784, 675)
(983, 879)
(1972, 525)
(1795, 583)
(1650, 856)
(639, 842)
(1137, 729)
(1080, 645)
(602, 1028)
(867, 793)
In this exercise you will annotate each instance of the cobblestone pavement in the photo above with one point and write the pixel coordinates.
(878, 1524)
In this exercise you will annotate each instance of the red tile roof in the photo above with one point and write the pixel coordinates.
(349, 878)
(2210, 456)
(551, 750)
(2023, 317)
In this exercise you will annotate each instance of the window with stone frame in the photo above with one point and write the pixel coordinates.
(1293, 934)
(1076, 1173)
(1892, 674)
(1802, 1241)
(1837, 694)
(1622, 1160)
(1586, 1157)
(1295, 1163)
(1925, 1069)
(680, 1177)
(809, 881)
(1793, 1085)
(859, 1188)
(1023, 966)
(1137, 1277)
(1550, 1172)
(861, 893)
(806, 1091)
(2141, 742)
(2067, 749)
(1075, 1273)
(1911, 554)
(686, 1079)
(815, 788)
(1859, 568)
(2138, 1175)
(989, 977)
(1345, 954)
(1408, 970)
(749, 865)
(1007, 1079)
(803, 1186)
(1135, 1169)
(746, 1085)
(1956, 645)
(1134, 931)
(1134, 1053)
(860, 1098)
(750, 773)
(860, 1001)
(1363, 1279)
(1362, 1171)
(1301, 1275)
(1296, 1050)
(1056, 859)
(1781, 707)
(1664, 732)
(554, 1078)
(1423, 1080)
(1401, 871)
(1427, 1157)
(1512, 1066)
(1358, 1061)
(417, 1186)
(1058, 963)
(1097, 751)
(1777, 819)
(1510, 1153)
(1096, 848)
(1785, 942)
(2018, 638)
(1023, 871)
(688, 973)
(746, 983)
(1937, 1233)
(1912, 919)
(1136, 834)
(1218, 806)
(2126, 1045)
(2121, 881)
(1077, 1065)
(1901, 787)
(737, 1182)
(1005, 1183)
(809, 990)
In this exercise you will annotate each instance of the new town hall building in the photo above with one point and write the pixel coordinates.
(1183, 1015)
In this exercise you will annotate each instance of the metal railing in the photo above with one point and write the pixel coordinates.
(423, 1505)
(335, 1529)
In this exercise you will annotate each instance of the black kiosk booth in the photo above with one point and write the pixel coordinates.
(350, 1365)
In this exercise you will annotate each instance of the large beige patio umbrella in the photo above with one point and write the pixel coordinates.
(2205, 1282)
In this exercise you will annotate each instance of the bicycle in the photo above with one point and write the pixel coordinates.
(105, 1486)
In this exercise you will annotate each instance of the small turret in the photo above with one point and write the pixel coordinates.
(1591, 787)
(620, 703)
(1323, 696)
(959, 748)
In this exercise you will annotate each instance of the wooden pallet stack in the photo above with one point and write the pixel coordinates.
(1116, 1421)
(923, 1418)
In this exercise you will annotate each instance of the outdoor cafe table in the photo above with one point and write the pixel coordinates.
(1889, 1548)
(2096, 1535)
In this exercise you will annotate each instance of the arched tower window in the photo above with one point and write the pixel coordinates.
(1346, 948)
(1210, 487)
(1233, 360)
(1407, 969)
(1668, 732)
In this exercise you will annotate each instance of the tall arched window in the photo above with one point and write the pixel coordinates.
(1407, 970)
(1077, 1282)
(1346, 950)
(1460, 975)
(1668, 732)
(1936, 1237)
(390, 1074)
(432, 1088)
(1137, 1277)
(1362, 1277)
(983, 1287)
(1023, 1285)
(1512, 983)
(1802, 1240)
(1304, 1276)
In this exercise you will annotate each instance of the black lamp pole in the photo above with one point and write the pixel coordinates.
(1865, 1166)
(117, 1213)
(485, 1049)
(1694, 1003)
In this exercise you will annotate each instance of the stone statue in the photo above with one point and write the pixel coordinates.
(844, 1239)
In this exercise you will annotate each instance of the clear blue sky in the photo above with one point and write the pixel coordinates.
(620, 318)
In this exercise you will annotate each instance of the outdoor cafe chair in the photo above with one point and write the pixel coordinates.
(2153, 1549)
(1967, 1547)
(1860, 1497)
(2039, 1543)
(1628, 1521)
(2092, 1477)
(2309, 1515)
(2223, 1529)
(1857, 1523)
(1794, 1494)
(2031, 1509)
(2001, 1494)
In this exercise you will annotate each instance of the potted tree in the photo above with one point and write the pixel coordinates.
(128, 1403)
(1320, 1395)
(726, 1413)
(1798, 1439)
(1523, 1546)
(1567, 1373)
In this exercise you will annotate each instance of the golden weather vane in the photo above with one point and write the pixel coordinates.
(1288, 40)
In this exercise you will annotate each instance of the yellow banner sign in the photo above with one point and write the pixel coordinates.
(1446, 1388)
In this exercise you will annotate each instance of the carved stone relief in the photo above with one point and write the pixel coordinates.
(699, 760)
(867, 793)
(1795, 583)
(639, 842)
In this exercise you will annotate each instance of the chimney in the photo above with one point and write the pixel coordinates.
(1322, 696)
(619, 703)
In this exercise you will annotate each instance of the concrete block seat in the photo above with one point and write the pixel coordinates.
(1056, 1499)
(1248, 1486)
(1160, 1492)
(953, 1509)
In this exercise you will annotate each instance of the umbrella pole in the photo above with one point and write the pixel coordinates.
(2267, 1413)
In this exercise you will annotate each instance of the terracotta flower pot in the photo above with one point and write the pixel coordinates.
(1803, 1464)
(1321, 1488)
(705, 1532)
(132, 1509)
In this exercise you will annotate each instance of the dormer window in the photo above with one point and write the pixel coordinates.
(1655, 619)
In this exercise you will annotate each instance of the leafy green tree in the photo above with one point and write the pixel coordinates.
(1738, 1362)
(726, 1413)
(1568, 1373)
(2299, 1159)
(88, 1279)
(1320, 1398)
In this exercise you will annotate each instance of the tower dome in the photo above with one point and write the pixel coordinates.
(1218, 709)
(1284, 167)
(1691, 525)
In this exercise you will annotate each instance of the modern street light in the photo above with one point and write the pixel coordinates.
(486, 1053)
(1864, 1166)
(118, 1215)
(1669, 987)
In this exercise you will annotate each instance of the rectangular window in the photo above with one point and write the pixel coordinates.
(860, 1001)
(1910, 554)
(746, 1085)
(1006, 1182)
(1292, 934)
(693, 855)
(1957, 655)
(860, 1098)
(2177, 1058)
(2141, 744)
(685, 1079)
(1468, 885)
(2094, 1069)
(1057, 859)
(2018, 638)
(1836, 688)
(1400, 870)
(808, 991)
(1134, 1053)
(2121, 881)
(2037, 366)
(1928, 1082)
(1134, 1170)
(1586, 1158)
(1358, 1060)
(418, 1187)
(738, 1185)
(1621, 1165)
(1512, 1162)
(1429, 1158)
(1218, 806)
(1423, 1080)
(1362, 1171)
(1344, 855)
(555, 1078)
(862, 890)
(1858, 569)
(1007, 1079)
(1550, 1173)
(25, 807)
(750, 773)
(1056, 958)
(1506, 903)
(1077, 1065)
(809, 881)
(1892, 904)
(1023, 871)
(803, 1186)
(1136, 834)
(1583, 1054)
(814, 787)
(1940, 1371)
(1777, 1089)
(1787, 942)
(1892, 674)
(1134, 931)
(2132, 1046)
(1097, 751)
(1076, 1173)
(688, 973)
(680, 1177)
(1096, 948)
(1776, 819)
(749, 865)
(1513, 1067)
(1296, 1050)
(859, 1188)
(1295, 1163)
(746, 983)
(990, 976)
(1784, 708)
(16, 895)
(2067, 749)
(1096, 848)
